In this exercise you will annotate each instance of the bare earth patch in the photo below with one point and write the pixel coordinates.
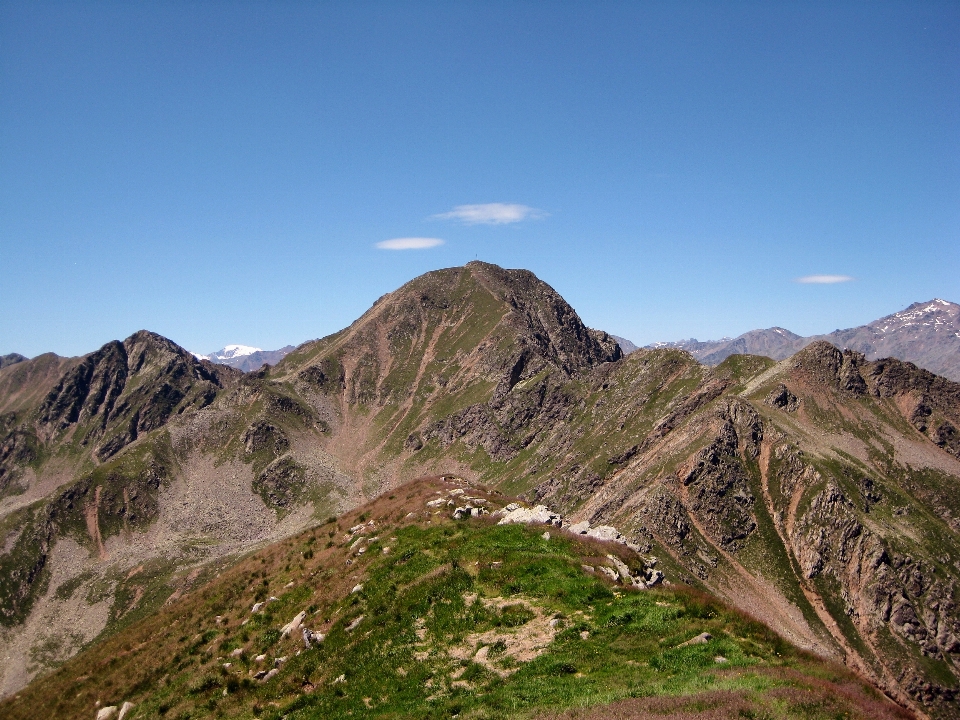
(521, 644)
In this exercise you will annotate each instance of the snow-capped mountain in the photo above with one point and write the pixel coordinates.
(245, 357)
(926, 334)
(230, 352)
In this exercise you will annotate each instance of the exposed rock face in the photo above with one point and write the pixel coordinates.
(822, 363)
(162, 379)
(781, 397)
(281, 483)
(263, 436)
(718, 490)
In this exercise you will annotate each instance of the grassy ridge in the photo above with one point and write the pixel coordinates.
(434, 592)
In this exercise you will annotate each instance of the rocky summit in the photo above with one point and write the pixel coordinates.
(816, 494)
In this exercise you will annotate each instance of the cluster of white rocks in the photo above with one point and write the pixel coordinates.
(515, 513)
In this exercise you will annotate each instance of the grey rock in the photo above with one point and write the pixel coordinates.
(293, 625)
(355, 624)
(540, 514)
(310, 636)
(701, 639)
(604, 532)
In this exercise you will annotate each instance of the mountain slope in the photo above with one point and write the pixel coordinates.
(414, 614)
(443, 343)
(150, 458)
(816, 494)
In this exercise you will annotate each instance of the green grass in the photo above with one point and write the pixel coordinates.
(443, 590)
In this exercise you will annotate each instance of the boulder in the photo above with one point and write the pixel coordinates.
(108, 713)
(701, 639)
(293, 625)
(353, 625)
(604, 532)
(580, 528)
(610, 572)
(309, 636)
(624, 572)
(540, 514)
(125, 711)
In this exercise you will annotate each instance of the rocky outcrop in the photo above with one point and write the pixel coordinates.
(826, 365)
(262, 436)
(126, 389)
(281, 483)
(883, 590)
(781, 397)
(19, 446)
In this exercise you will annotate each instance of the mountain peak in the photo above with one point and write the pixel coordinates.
(458, 326)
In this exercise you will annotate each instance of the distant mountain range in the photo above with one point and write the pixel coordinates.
(625, 345)
(246, 358)
(11, 359)
(927, 334)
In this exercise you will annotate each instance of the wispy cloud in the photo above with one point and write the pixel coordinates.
(824, 279)
(491, 214)
(412, 243)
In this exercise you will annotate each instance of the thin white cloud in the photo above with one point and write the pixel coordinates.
(824, 279)
(491, 214)
(411, 243)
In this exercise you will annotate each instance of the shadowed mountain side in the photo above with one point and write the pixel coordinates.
(11, 359)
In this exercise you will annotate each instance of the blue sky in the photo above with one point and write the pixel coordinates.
(223, 172)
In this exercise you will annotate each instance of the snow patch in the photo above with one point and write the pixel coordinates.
(229, 353)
